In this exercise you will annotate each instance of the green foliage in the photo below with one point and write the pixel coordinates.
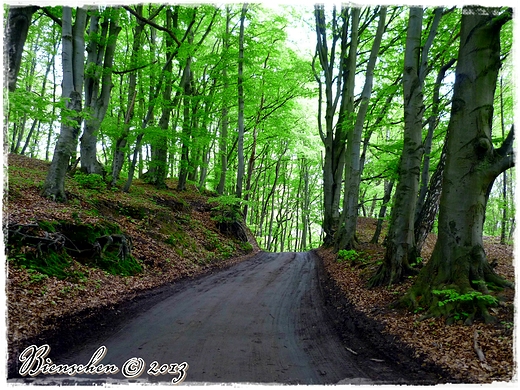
(227, 209)
(350, 255)
(112, 262)
(42, 264)
(462, 306)
(246, 246)
(91, 181)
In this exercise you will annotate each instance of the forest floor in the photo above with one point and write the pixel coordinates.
(175, 236)
(450, 346)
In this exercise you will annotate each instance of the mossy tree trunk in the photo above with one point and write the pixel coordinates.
(458, 261)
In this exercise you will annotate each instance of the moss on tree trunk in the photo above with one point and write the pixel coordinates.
(456, 278)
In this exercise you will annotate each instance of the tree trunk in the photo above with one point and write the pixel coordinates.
(346, 237)
(159, 145)
(73, 46)
(18, 22)
(389, 185)
(458, 261)
(101, 51)
(432, 125)
(186, 128)
(122, 141)
(333, 137)
(400, 245)
(503, 224)
(426, 217)
(225, 111)
(241, 163)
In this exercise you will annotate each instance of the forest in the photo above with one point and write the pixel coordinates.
(301, 120)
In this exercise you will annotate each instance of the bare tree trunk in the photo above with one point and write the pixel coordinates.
(335, 86)
(73, 46)
(99, 73)
(18, 22)
(432, 125)
(241, 163)
(225, 120)
(426, 217)
(122, 141)
(503, 224)
(186, 128)
(346, 237)
(400, 247)
(159, 145)
(389, 184)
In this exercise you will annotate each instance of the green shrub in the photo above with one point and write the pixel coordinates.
(247, 247)
(462, 306)
(347, 255)
(91, 181)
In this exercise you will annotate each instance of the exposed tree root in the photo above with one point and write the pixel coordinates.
(462, 294)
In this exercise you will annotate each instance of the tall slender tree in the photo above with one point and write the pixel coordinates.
(346, 236)
(98, 82)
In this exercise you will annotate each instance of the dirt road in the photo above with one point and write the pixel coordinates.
(260, 321)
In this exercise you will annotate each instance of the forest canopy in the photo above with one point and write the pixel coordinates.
(301, 119)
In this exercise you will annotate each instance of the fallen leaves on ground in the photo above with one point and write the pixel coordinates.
(450, 346)
(35, 302)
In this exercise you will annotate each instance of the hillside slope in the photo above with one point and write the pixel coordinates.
(103, 247)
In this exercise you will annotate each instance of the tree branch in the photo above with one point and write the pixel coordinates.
(48, 12)
(507, 146)
(153, 24)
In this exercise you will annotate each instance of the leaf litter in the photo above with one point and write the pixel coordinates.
(450, 346)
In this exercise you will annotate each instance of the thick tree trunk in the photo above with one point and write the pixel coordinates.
(458, 261)
(18, 22)
(73, 44)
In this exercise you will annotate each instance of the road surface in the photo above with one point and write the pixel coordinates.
(260, 321)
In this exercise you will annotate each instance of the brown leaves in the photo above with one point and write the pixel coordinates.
(449, 346)
(36, 302)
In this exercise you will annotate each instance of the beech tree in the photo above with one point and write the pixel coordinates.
(98, 82)
(346, 236)
(473, 163)
(227, 99)
(400, 244)
(335, 88)
(18, 22)
(73, 57)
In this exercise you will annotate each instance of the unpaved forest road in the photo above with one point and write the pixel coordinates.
(260, 321)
